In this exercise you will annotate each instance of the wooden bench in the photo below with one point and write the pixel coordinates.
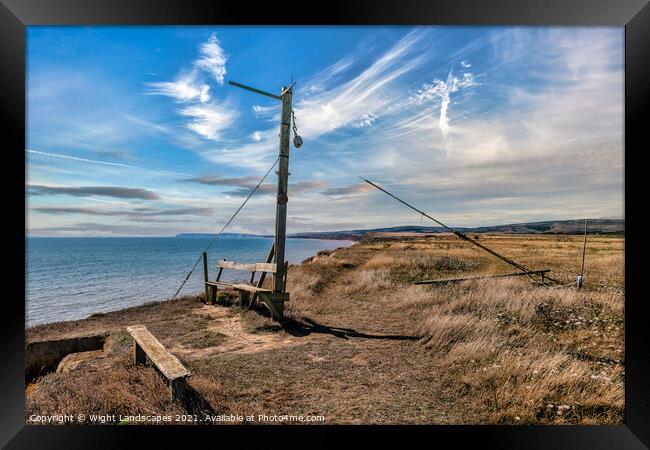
(244, 290)
(145, 344)
(250, 292)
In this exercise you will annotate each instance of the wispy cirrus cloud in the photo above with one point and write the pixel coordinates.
(88, 191)
(207, 120)
(186, 87)
(104, 163)
(365, 121)
(212, 59)
(362, 95)
(190, 84)
(329, 101)
(442, 90)
(207, 117)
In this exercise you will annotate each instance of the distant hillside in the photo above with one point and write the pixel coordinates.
(211, 235)
(594, 226)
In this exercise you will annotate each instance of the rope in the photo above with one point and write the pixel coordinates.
(224, 227)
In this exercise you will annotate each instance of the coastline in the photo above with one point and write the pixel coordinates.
(193, 293)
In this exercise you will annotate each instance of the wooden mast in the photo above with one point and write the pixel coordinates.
(282, 198)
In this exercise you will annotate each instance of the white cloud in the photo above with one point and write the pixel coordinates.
(443, 90)
(104, 163)
(185, 88)
(256, 136)
(213, 59)
(208, 120)
(365, 121)
(190, 84)
(347, 103)
(271, 112)
(148, 125)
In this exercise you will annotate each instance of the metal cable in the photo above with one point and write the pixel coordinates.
(462, 235)
(224, 227)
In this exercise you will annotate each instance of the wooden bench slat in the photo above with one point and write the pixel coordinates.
(239, 287)
(249, 288)
(252, 267)
(218, 283)
(167, 363)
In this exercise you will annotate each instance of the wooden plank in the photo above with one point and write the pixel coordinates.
(249, 288)
(458, 280)
(252, 267)
(218, 283)
(167, 363)
(239, 287)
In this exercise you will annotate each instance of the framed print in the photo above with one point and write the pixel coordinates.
(412, 218)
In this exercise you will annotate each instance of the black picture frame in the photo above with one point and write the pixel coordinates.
(634, 15)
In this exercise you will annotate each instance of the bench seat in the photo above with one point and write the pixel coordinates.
(239, 287)
(146, 344)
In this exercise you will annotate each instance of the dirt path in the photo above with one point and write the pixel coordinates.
(237, 337)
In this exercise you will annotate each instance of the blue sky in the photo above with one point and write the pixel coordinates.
(135, 130)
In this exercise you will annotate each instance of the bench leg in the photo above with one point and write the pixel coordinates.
(139, 356)
(244, 298)
(275, 303)
(178, 390)
(211, 299)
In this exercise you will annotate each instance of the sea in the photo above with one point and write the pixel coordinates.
(71, 278)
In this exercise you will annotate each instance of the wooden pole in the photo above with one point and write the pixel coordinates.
(283, 181)
(205, 277)
(584, 249)
(458, 280)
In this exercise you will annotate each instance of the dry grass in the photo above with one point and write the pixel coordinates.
(521, 352)
(111, 385)
(365, 345)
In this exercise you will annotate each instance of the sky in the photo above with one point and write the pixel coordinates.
(134, 131)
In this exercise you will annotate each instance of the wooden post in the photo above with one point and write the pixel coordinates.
(582, 265)
(262, 277)
(244, 298)
(286, 271)
(205, 277)
(279, 296)
(283, 181)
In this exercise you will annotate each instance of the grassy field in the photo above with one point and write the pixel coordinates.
(366, 345)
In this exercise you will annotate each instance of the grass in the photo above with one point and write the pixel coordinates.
(365, 345)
